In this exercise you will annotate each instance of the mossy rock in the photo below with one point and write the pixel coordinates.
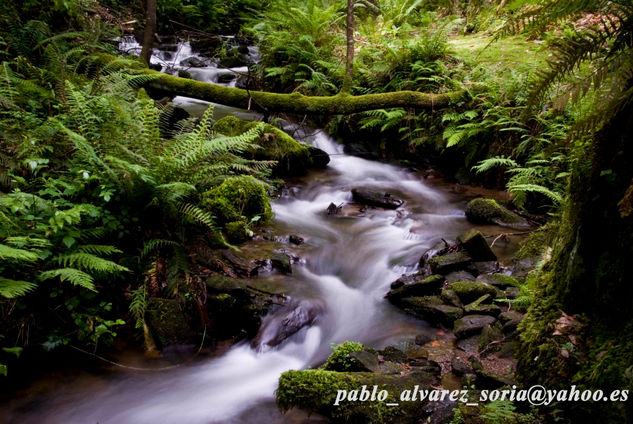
(238, 231)
(237, 198)
(449, 262)
(418, 287)
(499, 280)
(432, 309)
(316, 391)
(167, 323)
(469, 291)
(488, 211)
(471, 325)
(293, 158)
(340, 359)
(476, 245)
(482, 306)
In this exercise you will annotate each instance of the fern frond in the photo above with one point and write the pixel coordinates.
(72, 275)
(15, 288)
(90, 262)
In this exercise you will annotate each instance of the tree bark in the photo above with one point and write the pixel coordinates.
(349, 62)
(150, 30)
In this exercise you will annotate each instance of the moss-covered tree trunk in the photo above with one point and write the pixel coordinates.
(589, 275)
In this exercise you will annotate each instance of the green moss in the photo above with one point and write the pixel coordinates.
(469, 291)
(237, 198)
(488, 211)
(500, 280)
(340, 360)
(238, 231)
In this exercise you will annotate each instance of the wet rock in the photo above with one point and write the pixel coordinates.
(469, 291)
(450, 297)
(512, 292)
(431, 309)
(460, 367)
(391, 353)
(473, 242)
(471, 324)
(357, 149)
(482, 306)
(155, 67)
(332, 209)
(193, 62)
(422, 339)
(487, 380)
(376, 198)
(469, 344)
(440, 248)
(287, 321)
(488, 211)
(501, 281)
(454, 276)
(449, 262)
(490, 333)
(241, 266)
(295, 239)
(440, 412)
(366, 360)
(281, 262)
(183, 73)
(416, 287)
(320, 158)
(167, 323)
(483, 267)
(225, 77)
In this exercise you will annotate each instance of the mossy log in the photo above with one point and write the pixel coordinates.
(340, 104)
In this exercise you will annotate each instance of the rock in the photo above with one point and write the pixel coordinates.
(183, 73)
(469, 291)
(512, 292)
(193, 62)
(431, 309)
(440, 248)
(237, 198)
(238, 231)
(393, 354)
(376, 198)
(471, 324)
(449, 262)
(499, 280)
(281, 262)
(418, 287)
(241, 266)
(510, 320)
(469, 344)
(475, 244)
(167, 323)
(219, 284)
(483, 267)
(225, 77)
(489, 334)
(488, 211)
(454, 276)
(367, 360)
(332, 209)
(422, 339)
(460, 367)
(450, 297)
(480, 307)
(287, 321)
(357, 149)
(295, 239)
(155, 67)
(320, 158)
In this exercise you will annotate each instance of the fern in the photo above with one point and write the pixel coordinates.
(15, 288)
(487, 164)
(8, 253)
(90, 262)
(72, 275)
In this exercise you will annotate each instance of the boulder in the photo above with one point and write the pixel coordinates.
(357, 149)
(490, 333)
(483, 267)
(450, 297)
(440, 248)
(469, 344)
(238, 231)
(475, 244)
(501, 281)
(510, 320)
(449, 262)
(295, 239)
(481, 307)
(281, 262)
(460, 367)
(193, 62)
(511, 292)
(287, 321)
(320, 158)
(366, 360)
(417, 287)
(471, 324)
(242, 267)
(488, 211)
(167, 323)
(451, 277)
(376, 198)
(469, 291)
(431, 309)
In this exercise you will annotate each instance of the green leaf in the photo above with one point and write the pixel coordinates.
(15, 288)
(68, 241)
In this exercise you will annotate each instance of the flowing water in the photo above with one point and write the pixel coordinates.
(349, 262)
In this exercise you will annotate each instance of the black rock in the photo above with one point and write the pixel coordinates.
(376, 198)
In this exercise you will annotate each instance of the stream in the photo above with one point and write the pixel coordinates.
(349, 261)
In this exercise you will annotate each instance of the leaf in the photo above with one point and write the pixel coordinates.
(72, 275)
(15, 288)
(8, 253)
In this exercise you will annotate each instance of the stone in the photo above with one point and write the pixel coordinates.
(281, 262)
(468, 345)
(332, 209)
(473, 242)
(431, 309)
(488, 211)
(482, 306)
(460, 367)
(469, 291)
(471, 324)
(512, 292)
(450, 297)
(167, 323)
(449, 262)
(499, 280)
(193, 62)
(417, 287)
(295, 239)
(422, 339)
(451, 277)
(483, 267)
(510, 320)
(241, 266)
(393, 354)
(376, 198)
(366, 360)
(320, 158)
(490, 333)
(287, 321)
(440, 248)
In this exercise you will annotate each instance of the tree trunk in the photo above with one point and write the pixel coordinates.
(349, 62)
(150, 30)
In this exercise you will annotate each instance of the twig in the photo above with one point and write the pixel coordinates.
(122, 365)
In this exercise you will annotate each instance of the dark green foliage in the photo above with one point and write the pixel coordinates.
(237, 198)
(340, 360)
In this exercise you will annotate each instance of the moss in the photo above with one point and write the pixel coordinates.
(167, 322)
(316, 390)
(469, 291)
(488, 211)
(500, 280)
(340, 360)
(237, 198)
(238, 231)
(537, 242)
